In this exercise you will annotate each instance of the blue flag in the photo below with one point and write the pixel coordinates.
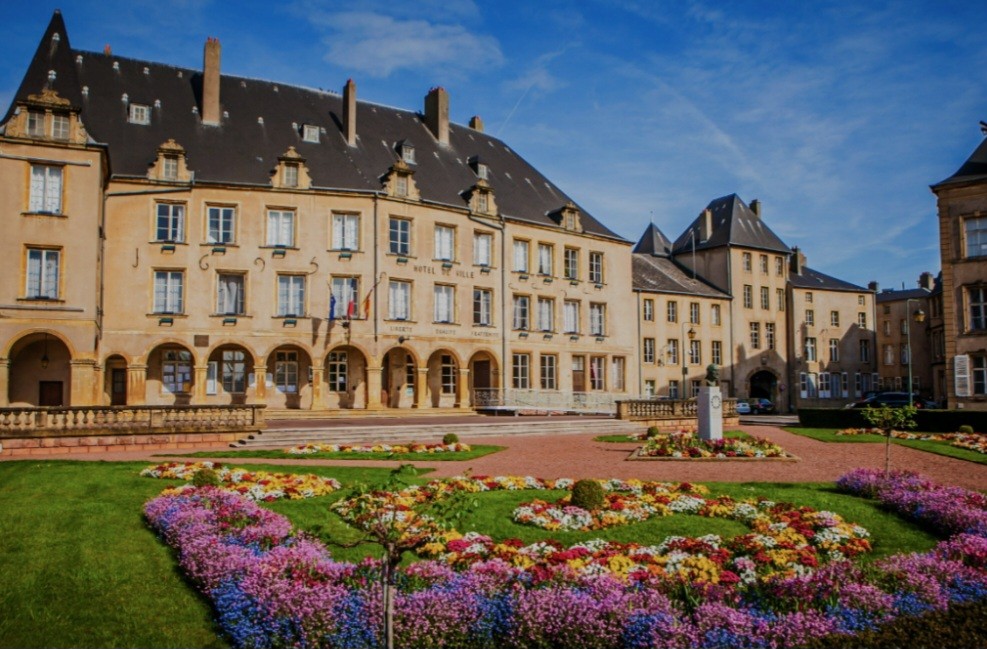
(332, 307)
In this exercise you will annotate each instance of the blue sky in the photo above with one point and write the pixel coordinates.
(837, 115)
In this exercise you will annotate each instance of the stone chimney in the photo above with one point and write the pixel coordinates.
(926, 281)
(706, 226)
(756, 207)
(349, 112)
(874, 286)
(210, 82)
(476, 123)
(437, 114)
(797, 261)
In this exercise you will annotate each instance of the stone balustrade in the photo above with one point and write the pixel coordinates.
(670, 413)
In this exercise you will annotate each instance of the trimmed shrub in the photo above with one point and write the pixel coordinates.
(587, 494)
(653, 431)
(966, 428)
(450, 438)
(205, 478)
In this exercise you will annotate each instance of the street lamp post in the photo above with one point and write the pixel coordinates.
(685, 369)
(919, 318)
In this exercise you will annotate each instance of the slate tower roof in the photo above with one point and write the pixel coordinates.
(653, 242)
(731, 222)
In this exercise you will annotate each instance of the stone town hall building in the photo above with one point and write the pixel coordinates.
(179, 236)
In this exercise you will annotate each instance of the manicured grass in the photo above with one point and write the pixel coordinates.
(81, 568)
(474, 452)
(939, 448)
(624, 439)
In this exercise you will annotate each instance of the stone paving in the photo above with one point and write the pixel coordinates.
(578, 456)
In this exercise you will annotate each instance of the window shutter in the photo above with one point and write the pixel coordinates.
(961, 375)
(211, 377)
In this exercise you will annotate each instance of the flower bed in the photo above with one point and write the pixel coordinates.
(309, 449)
(689, 445)
(254, 485)
(971, 442)
(273, 588)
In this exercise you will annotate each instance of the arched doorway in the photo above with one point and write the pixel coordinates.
(345, 378)
(39, 371)
(170, 377)
(764, 385)
(443, 379)
(115, 381)
(229, 374)
(398, 375)
(288, 370)
(484, 377)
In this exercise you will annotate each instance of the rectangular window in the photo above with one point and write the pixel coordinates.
(447, 370)
(649, 310)
(233, 371)
(810, 349)
(597, 379)
(445, 243)
(672, 311)
(862, 319)
(35, 123)
(903, 326)
(755, 335)
(280, 228)
(310, 133)
(673, 389)
(549, 370)
(649, 350)
(976, 236)
(978, 308)
(399, 236)
(168, 291)
(286, 372)
(544, 259)
(649, 388)
(694, 312)
(222, 224)
(521, 253)
(345, 231)
(695, 353)
(46, 189)
(694, 387)
(747, 262)
(596, 267)
(673, 351)
(858, 385)
(482, 202)
(810, 318)
(887, 327)
(346, 292)
(570, 263)
(570, 317)
(864, 351)
(597, 319)
(520, 371)
(717, 352)
(170, 224)
(169, 167)
(482, 249)
(903, 353)
(813, 382)
(769, 335)
(522, 312)
(780, 297)
(140, 114)
(482, 307)
(444, 303)
(617, 374)
(43, 266)
(291, 295)
(336, 371)
(825, 386)
(176, 370)
(834, 318)
(399, 300)
(765, 298)
(979, 368)
(291, 175)
(714, 312)
(60, 127)
(808, 297)
(400, 184)
(748, 296)
(764, 264)
(779, 266)
(229, 294)
(546, 314)
(834, 350)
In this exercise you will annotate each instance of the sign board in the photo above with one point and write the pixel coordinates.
(961, 375)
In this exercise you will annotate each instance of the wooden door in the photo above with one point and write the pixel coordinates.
(578, 373)
(118, 387)
(481, 375)
(50, 393)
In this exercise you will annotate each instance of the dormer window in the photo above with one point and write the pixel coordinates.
(570, 221)
(291, 175)
(310, 133)
(400, 182)
(291, 172)
(140, 114)
(482, 202)
(407, 151)
(60, 127)
(170, 164)
(35, 123)
(401, 186)
(481, 170)
(568, 217)
(169, 167)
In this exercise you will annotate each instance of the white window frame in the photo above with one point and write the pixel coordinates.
(345, 231)
(43, 273)
(769, 335)
(445, 243)
(286, 372)
(521, 371)
(290, 175)
(448, 374)
(139, 114)
(977, 297)
(570, 316)
(221, 224)
(810, 349)
(291, 296)
(444, 303)
(36, 123)
(834, 350)
(310, 133)
(224, 296)
(695, 352)
(346, 290)
(618, 374)
(825, 386)
(596, 267)
(337, 371)
(975, 236)
(482, 249)
(46, 189)
(176, 370)
(281, 228)
(649, 310)
(716, 352)
(399, 236)
(672, 311)
(233, 371)
(597, 319)
(60, 127)
(546, 314)
(399, 300)
(169, 290)
(546, 259)
(482, 307)
(522, 254)
(648, 350)
(694, 312)
(548, 365)
(597, 373)
(570, 263)
(522, 312)
(748, 296)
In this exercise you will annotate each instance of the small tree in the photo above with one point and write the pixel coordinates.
(889, 419)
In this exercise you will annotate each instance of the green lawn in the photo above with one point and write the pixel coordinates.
(939, 448)
(623, 439)
(475, 451)
(81, 568)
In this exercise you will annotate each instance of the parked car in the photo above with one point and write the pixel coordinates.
(893, 399)
(743, 408)
(762, 406)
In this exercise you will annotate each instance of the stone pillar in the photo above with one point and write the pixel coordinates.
(260, 383)
(709, 407)
(463, 389)
(421, 387)
(83, 373)
(318, 387)
(136, 385)
(4, 381)
(374, 387)
(200, 373)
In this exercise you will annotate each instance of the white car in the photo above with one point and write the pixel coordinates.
(743, 408)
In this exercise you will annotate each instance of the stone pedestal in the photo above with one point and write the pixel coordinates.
(710, 410)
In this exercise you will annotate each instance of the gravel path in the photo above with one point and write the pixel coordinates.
(578, 456)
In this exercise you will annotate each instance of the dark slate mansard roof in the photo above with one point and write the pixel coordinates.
(813, 279)
(973, 170)
(653, 269)
(734, 224)
(243, 151)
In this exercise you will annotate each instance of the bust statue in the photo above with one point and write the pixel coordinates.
(712, 374)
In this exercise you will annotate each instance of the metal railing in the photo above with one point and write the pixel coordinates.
(544, 400)
(95, 420)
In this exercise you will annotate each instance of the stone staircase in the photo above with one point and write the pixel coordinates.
(472, 431)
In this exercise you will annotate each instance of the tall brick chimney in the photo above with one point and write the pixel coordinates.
(349, 112)
(798, 260)
(874, 286)
(926, 281)
(476, 123)
(210, 82)
(437, 114)
(756, 207)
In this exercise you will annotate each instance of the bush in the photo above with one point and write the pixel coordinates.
(587, 494)
(966, 428)
(653, 431)
(205, 478)
(450, 438)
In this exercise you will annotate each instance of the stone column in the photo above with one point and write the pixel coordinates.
(136, 385)
(374, 387)
(260, 383)
(463, 389)
(709, 407)
(421, 387)
(4, 381)
(318, 387)
(83, 373)
(200, 373)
